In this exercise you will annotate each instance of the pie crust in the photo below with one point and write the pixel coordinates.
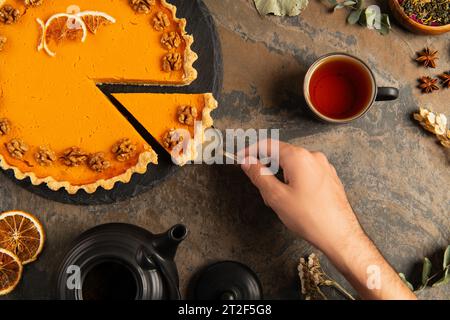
(145, 159)
(190, 73)
(207, 122)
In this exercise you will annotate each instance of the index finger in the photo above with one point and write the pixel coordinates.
(274, 149)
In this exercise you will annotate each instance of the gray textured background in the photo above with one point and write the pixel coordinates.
(395, 174)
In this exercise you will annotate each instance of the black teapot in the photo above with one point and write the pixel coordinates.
(121, 262)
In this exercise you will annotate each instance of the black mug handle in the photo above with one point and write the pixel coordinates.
(387, 94)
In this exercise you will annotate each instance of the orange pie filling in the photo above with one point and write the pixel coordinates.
(56, 126)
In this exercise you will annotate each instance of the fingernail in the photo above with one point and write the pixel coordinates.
(245, 165)
(248, 162)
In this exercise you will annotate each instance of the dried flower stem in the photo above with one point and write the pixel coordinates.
(313, 277)
(343, 291)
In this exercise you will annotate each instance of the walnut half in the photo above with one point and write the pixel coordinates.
(161, 21)
(172, 62)
(17, 148)
(33, 3)
(5, 127)
(171, 40)
(124, 150)
(171, 139)
(98, 163)
(142, 6)
(9, 15)
(45, 156)
(187, 115)
(74, 157)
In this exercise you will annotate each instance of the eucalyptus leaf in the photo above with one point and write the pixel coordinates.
(370, 17)
(385, 24)
(349, 3)
(409, 285)
(420, 288)
(362, 19)
(426, 271)
(360, 4)
(373, 17)
(338, 6)
(446, 262)
(281, 7)
(354, 16)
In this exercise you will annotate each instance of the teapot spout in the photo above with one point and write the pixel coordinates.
(166, 244)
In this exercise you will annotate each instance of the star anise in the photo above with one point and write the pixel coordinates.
(427, 58)
(445, 77)
(428, 85)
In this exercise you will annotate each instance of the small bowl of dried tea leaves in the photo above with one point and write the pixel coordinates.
(431, 17)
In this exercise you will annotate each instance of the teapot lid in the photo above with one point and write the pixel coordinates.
(228, 280)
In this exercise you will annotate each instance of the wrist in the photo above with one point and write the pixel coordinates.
(365, 268)
(349, 249)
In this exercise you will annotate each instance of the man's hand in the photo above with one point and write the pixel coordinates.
(312, 203)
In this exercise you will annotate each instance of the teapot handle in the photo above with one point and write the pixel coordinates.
(173, 290)
(143, 260)
(152, 261)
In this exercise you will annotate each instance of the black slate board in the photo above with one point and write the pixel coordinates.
(210, 75)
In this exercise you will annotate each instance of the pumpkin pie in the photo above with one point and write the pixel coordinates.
(184, 119)
(56, 126)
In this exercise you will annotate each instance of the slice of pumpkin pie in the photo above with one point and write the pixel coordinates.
(173, 119)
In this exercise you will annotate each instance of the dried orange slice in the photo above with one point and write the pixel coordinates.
(95, 19)
(22, 234)
(10, 271)
(41, 35)
(63, 26)
(72, 25)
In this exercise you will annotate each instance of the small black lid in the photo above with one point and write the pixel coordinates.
(228, 280)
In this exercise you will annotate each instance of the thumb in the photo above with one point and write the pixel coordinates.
(261, 177)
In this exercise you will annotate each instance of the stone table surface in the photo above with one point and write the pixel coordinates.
(395, 174)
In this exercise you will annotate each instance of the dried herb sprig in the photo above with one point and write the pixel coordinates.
(436, 123)
(427, 277)
(370, 17)
(281, 7)
(312, 278)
